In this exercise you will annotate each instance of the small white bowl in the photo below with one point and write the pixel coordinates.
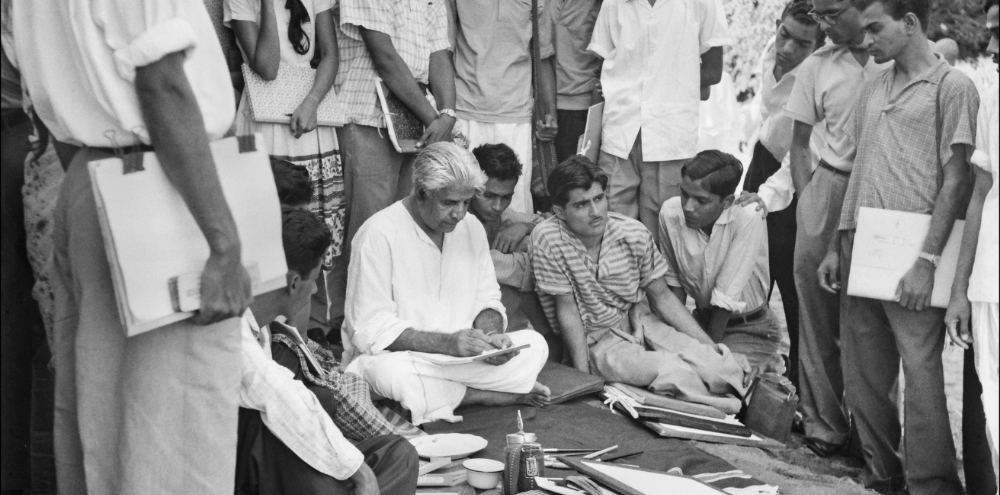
(483, 474)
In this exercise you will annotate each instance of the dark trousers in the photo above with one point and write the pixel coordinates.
(265, 465)
(781, 232)
(21, 332)
(979, 476)
(876, 337)
(571, 123)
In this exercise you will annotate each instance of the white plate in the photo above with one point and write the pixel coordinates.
(454, 445)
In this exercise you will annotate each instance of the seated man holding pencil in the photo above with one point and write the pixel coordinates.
(422, 291)
(601, 283)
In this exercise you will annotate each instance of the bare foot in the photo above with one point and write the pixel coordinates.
(538, 397)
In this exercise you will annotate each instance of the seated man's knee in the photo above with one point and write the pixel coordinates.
(539, 350)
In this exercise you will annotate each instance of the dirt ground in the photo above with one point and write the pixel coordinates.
(797, 471)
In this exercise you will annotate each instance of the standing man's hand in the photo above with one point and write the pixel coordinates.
(747, 197)
(439, 130)
(225, 289)
(958, 319)
(365, 482)
(829, 272)
(546, 130)
(915, 288)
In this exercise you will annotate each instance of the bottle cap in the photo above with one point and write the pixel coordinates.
(515, 439)
(530, 438)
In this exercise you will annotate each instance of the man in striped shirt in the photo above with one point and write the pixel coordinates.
(601, 280)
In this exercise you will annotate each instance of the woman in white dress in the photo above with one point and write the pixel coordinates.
(291, 32)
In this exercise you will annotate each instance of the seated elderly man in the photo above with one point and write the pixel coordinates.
(602, 285)
(422, 291)
(508, 233)
(321, 434)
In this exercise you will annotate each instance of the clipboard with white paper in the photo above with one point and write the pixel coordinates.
(886, 245)
(590, 141)
(444, 359)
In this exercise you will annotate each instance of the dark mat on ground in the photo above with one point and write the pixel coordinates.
(578, 425)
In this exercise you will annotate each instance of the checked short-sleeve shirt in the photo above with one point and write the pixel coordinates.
(606, 289)
(897, 166)
(418, 28)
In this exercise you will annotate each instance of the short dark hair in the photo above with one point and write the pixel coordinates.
(898, 8)
(576, 172)
(799, 10)
(720, 171)
(305, 238)
(498, 161)
(292, 182)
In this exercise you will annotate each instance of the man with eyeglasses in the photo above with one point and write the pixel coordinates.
(825, 90)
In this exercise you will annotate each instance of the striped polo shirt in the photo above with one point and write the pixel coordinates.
(605, 290)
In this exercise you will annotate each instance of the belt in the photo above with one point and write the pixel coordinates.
(823, 164)
(739, 319)
(14, 118)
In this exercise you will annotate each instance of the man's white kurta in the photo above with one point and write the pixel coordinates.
(399, 279)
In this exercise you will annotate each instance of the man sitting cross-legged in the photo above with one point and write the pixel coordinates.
(508, 233)
(292, 435)
(717, 253)
(421, 288)
(595, 272)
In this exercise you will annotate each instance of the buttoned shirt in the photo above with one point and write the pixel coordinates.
(606, 288)
(651, 74)
(398, 279)
(417, 28)
(826, 86)
(983, 285)
(289, 410)
(493, 58)
(80, 68)
(576, 67)
(901, 149)
(726, 269)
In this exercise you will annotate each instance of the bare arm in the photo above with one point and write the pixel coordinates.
(916, 286)
(442, 79)
(396, 75)
(463, 343)
(673, 312)
(489, 321)
(548, 127)
(800, 155)
(717, 323)
(679, 293)
(177, 132)
(260, 43)
(574, 334)
(959, 311)
(711, 70)
(304, 118)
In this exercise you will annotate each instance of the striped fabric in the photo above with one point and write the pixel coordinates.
(604, 291)
(418, 28)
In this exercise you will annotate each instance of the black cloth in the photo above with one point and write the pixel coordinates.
(577, 424)
(571, 123)
(781, 230)
(979, 476)
(264, 464)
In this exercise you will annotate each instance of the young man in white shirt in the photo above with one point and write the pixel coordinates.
(797, 37)
(422, 291)
(718, 254)
(660, 60)
(291, 437)
(972, 316)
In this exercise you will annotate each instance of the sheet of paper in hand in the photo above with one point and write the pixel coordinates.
(887, 244)
(153, 243)
(275, 101)
(444, 359)
(404, 128)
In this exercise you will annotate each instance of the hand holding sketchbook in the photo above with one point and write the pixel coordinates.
(444, 359)
(274, 101)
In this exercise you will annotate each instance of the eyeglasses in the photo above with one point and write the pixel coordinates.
(828, 19)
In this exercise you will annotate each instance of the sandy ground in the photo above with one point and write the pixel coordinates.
(797, 471)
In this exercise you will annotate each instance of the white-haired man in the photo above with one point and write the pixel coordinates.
(421, 287)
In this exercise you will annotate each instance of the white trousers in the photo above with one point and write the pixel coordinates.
(985, 338)
(518, 137)
(431, 391)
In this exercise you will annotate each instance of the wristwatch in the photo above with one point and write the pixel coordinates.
(934, 259)
(449, 112)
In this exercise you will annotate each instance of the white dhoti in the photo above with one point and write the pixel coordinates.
(986, 341)
(432, 391)
(518, 137)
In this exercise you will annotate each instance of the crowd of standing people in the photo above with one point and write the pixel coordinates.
(593, 264)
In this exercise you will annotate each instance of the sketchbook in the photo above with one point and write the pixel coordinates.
(275, 101)
(887, 244)
(590, 141)
(444, 359)
(151, 239)
(404, 128)
(637, 481)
